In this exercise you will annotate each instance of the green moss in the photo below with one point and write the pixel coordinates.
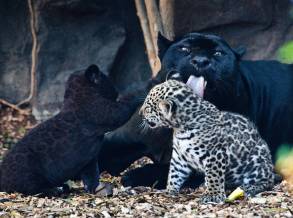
(284, 151)
(285, 53)
(8, 141)
(22, 130)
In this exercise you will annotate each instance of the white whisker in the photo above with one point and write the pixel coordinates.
(144, 127)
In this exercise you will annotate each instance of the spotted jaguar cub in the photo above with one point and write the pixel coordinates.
(226, 147)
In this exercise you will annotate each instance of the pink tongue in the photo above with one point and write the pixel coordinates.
(196, 84)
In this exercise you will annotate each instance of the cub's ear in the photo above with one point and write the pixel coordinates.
(167, 107)
(239, 51)
(93, 73)
(163, 44)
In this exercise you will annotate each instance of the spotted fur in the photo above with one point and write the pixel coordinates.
(226, 147)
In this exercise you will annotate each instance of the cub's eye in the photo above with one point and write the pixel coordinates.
(147, 110)
(185, 49)
(218, 53)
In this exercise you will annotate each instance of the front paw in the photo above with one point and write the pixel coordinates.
(212, 198)
(172, 191)
(90, 187)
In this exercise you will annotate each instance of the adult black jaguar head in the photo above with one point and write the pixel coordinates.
(206, 62)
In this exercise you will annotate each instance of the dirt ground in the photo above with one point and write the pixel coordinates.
(123, 201)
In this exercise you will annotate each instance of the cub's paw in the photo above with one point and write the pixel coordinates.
(172, 191)
(212, 198)
(56, 191)
(90, 190)
(90, 186)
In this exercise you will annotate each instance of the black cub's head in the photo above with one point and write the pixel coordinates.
(203, 56)
(101, 82)
(87, 88)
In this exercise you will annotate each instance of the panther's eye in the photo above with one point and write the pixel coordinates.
(218, 53)
(147, 110)
(184, 49)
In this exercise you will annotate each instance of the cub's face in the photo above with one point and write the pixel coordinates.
(150, 110)
(166, 103)
(203, 56)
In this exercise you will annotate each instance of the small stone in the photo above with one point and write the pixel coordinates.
(258, 200)
(104, 189)
(106, 214)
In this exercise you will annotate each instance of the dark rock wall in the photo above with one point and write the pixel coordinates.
(15, 50)
(75, 34)
(71, 35)
(126, 69)
(260, 25)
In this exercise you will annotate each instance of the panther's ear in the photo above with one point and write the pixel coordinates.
(167, 107)
(163, 44)
(239, 51)
(93, 74)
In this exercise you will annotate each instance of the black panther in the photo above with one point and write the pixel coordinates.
(67, 145)
(260, 90)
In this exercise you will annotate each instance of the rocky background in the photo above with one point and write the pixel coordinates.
(70, 35)
(53, 38)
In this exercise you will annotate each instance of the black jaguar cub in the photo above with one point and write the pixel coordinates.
(67, 145)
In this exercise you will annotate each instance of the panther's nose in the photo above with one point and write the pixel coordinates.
(200, 61)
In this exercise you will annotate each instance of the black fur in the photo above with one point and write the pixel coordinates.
(261, 90)
(67, 145)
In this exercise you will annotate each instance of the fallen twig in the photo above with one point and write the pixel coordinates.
(14, 107)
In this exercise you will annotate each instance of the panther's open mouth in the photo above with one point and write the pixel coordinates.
(197, 84)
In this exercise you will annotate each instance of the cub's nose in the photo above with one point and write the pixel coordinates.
(200, 61)
(151, 124)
